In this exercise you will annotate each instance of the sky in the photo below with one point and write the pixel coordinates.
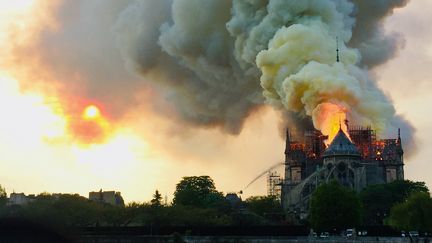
(53, 140)
(407, 80)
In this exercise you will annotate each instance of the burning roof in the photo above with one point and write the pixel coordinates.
(341, 145)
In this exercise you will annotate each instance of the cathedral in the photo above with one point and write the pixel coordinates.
(355, 159)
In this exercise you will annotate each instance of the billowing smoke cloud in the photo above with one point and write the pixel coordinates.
(214, 62)
(299, 70)
(290, 45)
(189, 55)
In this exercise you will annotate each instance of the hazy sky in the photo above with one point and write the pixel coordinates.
(142, 150)
(407, 80)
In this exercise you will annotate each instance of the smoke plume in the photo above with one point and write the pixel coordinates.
(212, 63)
(225, 46)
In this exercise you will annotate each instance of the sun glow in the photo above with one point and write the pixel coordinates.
(89, 125)
(91, 112)
(107, 159)
(28, 119)
(15, 6)
(35, 133)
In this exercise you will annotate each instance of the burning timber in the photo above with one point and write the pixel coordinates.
(356, 160)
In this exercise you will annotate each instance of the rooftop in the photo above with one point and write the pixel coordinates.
(341, 146)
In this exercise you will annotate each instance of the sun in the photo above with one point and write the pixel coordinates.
(91, 112)
(92, 127)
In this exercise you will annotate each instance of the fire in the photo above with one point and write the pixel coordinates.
(329, 118)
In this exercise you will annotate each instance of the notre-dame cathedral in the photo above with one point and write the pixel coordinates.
(356, 160)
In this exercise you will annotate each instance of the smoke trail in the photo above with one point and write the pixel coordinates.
(263, 173)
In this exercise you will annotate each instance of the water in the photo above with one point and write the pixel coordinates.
(263, 173)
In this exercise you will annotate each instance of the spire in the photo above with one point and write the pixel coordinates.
(341, 146)
(399, 144)
(399, 140)
(287, 141)
(337, 49)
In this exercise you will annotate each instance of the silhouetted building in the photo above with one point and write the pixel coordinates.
(109, 197)
(20, 198)
(233, 199)
(17, 199)
(355, 162)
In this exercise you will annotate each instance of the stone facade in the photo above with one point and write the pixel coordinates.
(355, 162)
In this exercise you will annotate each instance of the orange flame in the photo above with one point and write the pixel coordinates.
(329, 118)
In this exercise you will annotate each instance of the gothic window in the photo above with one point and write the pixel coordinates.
(343, 174)
(341, 166)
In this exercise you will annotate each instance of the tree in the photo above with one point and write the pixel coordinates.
(334, 206)
(197, 191)
(3, 193)
(180, 215)
(3, 196)
(378, 199)
(157, 199)
(268, 207)
(413, 214)
(66, 209)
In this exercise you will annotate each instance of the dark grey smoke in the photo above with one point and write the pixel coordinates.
(189, 56)
(369, 37)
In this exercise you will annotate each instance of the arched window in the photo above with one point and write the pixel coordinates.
(343, 174)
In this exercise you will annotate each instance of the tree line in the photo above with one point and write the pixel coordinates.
(404, 205)
(196, 203)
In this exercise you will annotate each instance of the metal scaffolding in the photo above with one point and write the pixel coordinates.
(274, 184)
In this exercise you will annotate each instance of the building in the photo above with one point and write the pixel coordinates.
(20, 198)
(109, 197)
(233, 199)
(356, 162)
(17, 199)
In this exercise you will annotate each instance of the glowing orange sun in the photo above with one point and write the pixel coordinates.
(91, 112)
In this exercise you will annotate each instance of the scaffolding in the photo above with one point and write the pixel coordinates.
(363, 138)
(314, 143)
(274, 184)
